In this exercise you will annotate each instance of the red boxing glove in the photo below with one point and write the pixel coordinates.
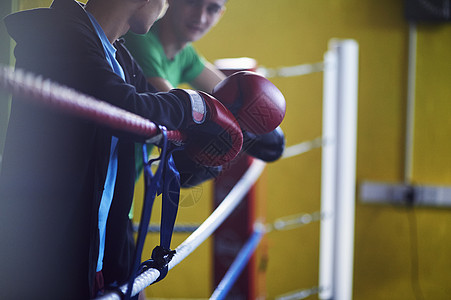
(214, 135)
(256, 102)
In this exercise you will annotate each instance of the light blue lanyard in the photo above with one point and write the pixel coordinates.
(110, 181)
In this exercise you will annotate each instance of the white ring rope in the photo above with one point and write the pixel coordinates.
(291, 71)
(302, 294)
(302, 147)
(221, 213)
(247, 63)
(294, 221)
(279, 224)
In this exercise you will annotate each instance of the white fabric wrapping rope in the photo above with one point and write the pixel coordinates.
(297, 295)
(221, 213)
(205, 230)
(303, 147)
(291, 71)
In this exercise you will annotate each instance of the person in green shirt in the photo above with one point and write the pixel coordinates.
(168, 59)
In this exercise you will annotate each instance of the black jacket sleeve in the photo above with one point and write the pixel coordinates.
(64, 47)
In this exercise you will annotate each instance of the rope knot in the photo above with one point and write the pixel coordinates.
(159, 260)
(162, 256)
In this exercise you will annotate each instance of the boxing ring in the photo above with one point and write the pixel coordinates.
(338, 143)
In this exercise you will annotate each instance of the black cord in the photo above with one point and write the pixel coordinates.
(414, 257)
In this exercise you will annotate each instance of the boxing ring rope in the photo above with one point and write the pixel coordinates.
(291, 71)
(283, 223)
(303, 147)
(45, 92)
(337, 181)
(239, 263)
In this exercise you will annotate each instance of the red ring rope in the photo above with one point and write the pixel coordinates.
(46, 92)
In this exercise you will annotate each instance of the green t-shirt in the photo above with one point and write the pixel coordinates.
(149, 53)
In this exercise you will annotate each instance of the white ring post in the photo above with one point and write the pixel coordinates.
(338, 170)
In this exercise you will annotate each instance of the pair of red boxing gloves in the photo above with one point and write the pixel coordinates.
(243, 113)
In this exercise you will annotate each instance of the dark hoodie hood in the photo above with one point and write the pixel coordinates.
(27, 26)
(45, 37)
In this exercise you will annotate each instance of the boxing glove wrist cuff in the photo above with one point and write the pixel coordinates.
(198, 106)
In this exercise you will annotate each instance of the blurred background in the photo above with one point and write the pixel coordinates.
(400, 252)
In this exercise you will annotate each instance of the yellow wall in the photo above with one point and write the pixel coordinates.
(387, 248)
(292, 32)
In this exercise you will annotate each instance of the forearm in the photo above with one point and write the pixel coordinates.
(160, 84)
(208, 78)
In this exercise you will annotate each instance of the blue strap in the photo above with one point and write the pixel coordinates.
(166, 181)
(152, 184)
(162, 255)
(171, 196)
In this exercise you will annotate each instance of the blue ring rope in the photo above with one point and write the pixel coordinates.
(238, 265)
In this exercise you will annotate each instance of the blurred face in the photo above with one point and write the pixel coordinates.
(146, 15)
(191, 19)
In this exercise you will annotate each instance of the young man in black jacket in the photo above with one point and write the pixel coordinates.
(67, 184)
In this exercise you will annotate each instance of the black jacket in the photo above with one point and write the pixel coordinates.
(54, 165)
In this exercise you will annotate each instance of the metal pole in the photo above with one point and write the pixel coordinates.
(410, 105)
